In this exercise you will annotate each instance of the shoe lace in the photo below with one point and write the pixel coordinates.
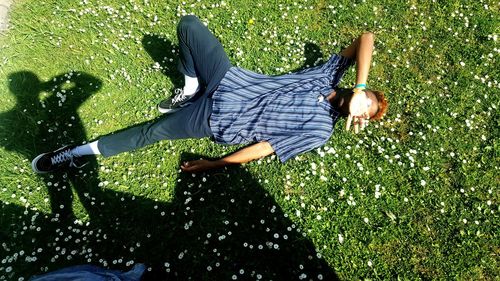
(179, 96)
(62, 157)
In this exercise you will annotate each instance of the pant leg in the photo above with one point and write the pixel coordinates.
(201, 54)
(188, 122)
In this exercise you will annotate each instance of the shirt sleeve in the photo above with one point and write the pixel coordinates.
(287, 147)
(336, 66)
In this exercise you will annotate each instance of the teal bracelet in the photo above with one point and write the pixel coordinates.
(360, 86)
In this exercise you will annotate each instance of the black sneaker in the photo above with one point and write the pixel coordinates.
(55, 160)
(179, 101)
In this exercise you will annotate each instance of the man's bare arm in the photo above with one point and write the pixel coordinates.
(361, 50)
(247, 154)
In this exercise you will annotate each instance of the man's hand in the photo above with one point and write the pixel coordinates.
(197, 166)
(358, 111)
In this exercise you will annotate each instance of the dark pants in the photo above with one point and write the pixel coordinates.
(202, 56)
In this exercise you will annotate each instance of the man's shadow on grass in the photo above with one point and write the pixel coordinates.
(218, 225)
(165, 54)
(313, 56)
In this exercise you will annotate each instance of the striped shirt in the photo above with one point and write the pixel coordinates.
(288, 111)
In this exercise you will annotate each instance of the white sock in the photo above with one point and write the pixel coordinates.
(86, 149)
(191, 85)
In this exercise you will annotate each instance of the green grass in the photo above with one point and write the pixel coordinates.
(413, 197)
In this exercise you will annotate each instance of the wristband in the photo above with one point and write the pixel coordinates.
(360, 86)
(358, 90)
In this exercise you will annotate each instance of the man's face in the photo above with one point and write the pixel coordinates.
(373, 103)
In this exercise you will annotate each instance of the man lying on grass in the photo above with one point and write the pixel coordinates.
(287, 115)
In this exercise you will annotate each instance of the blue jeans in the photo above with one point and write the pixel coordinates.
(202, 56)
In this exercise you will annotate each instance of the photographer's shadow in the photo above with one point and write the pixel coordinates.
(221, 224)
(45, 117)
(218, 225)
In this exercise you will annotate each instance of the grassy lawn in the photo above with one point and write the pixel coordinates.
(413, 197)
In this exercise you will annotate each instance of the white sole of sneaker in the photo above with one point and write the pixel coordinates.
(33, 164)
(169, 110)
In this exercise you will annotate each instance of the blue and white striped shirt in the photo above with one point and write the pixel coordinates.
(288, 111)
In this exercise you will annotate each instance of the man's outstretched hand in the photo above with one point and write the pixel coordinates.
(197, 166)
(358, 111)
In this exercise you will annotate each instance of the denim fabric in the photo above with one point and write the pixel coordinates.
(92, 273)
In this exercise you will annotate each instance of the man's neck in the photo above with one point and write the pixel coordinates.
(337, 98)
(332, 96)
